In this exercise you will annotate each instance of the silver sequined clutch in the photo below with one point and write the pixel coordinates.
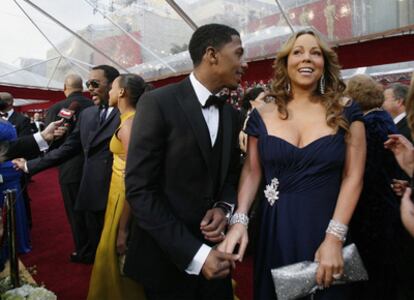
(299, 280)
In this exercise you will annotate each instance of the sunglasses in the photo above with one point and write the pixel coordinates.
(93, 83)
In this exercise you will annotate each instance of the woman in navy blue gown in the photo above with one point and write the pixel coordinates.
(310, 147)
(11, 180)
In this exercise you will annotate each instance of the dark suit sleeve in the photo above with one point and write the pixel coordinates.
(146, 154)
(51, 115)
(22, 147)
(71, 147)
(229, 191)
(24, 128)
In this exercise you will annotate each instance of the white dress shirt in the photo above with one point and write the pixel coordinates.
(399, 117)
(211, 116)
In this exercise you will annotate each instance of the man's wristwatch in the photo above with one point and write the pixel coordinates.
(226, 207)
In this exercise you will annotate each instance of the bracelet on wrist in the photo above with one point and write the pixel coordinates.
(337, 229)
(240, 218)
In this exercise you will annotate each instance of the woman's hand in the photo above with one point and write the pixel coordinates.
(403, 151)
(243, 141)
(407, 211)
(331, 262)
(121, 242)
(237, 235)
(399, 186)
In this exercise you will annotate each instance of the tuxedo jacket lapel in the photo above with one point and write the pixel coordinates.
(95, 137)
(191, 107)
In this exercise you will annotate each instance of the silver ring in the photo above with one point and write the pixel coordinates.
(337, 276)
(222, 234)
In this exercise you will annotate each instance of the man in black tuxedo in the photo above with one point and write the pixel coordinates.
(181, 175)
(91, 136)
(70, 171)
(20, 122)
(395, 96)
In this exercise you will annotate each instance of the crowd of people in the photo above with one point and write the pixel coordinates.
(159, 184)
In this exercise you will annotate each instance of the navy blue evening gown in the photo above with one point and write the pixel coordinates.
(309, 178)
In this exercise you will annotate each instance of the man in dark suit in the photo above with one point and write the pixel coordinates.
(91, 136)
(181, 175)
(30, 146)
(23, 127)
(20, 122)
(70, 171)
(395, 96)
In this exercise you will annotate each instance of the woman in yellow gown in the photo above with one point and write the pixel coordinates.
(107, 281)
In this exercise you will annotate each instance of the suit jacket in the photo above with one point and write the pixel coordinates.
(25, 146)
(93, 141)
(169, 182)
(403, 129)
(21, 123)
(71, 170)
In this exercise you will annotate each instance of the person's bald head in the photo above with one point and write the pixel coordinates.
(7, 98)
(73, 83)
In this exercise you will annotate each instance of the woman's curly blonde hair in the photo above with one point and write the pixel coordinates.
(334, 86)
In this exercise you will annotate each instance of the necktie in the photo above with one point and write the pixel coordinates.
(102, 115)
(213, 101)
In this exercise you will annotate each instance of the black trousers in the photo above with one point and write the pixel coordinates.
(197, 288)
(69, 193)
(92, 223)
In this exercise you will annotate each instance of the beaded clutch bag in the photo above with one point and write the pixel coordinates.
(299, 279)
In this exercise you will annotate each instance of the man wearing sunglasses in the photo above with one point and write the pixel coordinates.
(91, 136)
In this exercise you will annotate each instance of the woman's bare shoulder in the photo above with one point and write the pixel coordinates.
(267, 109)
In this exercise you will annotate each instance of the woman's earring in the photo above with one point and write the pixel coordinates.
(288, 87)
(322, 85)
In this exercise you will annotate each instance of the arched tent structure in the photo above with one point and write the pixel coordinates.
(43, 40)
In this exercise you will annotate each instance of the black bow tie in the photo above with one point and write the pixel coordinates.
(213, 101)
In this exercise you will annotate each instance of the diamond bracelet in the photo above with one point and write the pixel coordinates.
(337, 229)
(239, 218)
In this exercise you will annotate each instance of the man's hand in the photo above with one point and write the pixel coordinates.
(20, 164)
(53, 130)
(213, 225)
(218, 264)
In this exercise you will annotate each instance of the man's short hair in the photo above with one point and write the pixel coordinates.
(400, 91)
(210, 35)
(110, 72)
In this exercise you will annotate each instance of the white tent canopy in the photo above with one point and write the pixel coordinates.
(43, 40)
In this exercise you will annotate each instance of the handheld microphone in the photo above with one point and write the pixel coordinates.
(69, 114)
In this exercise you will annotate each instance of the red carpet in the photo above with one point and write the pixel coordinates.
(52, 243)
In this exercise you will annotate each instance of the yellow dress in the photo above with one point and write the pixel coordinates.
(106, 280)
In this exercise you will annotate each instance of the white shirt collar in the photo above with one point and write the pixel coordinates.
(200, 90)
(399, 117)
(9, 113)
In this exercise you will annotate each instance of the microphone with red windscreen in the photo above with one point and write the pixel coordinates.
(69, 114)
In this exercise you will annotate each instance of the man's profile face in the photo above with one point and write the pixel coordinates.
(98, 87)
(391, 104)
(230, 66)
